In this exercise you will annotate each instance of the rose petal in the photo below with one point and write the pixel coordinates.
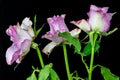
(12, 54)
(75, 32)
(82, 24)
(25, 48)
(49, 47)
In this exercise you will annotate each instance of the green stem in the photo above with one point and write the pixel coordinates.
(86, 66)
(66, 62)
(40, 56)
(91, 64)
(93, 37)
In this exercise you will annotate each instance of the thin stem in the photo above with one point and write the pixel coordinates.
(91, 64)
(93, 37)
(66, 62)
(40, 56)
(86, 66)
(78, 78)
(96, 66)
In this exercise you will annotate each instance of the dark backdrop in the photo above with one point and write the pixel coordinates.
(12, 12)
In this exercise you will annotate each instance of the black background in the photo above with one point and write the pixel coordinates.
(13, 11)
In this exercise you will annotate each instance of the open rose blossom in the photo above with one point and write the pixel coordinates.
(21, 36)
(57, 24)
(99, 20)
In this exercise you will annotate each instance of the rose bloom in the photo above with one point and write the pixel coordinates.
(57, 24)
(99, 20)
(21, 36)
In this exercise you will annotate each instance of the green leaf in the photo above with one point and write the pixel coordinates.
(72, 40)
(53, 75)
(35, 20)
(45, 72)
(107, 75)
(32, 76)
(38, 31)
(88, 48)
(110, 32)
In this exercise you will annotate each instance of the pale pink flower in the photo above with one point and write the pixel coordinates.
(99, 20)
(21, 36)
(57, 24)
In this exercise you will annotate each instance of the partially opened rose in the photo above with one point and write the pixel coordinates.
(57, 24)
(21, 36)
(99, 20)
